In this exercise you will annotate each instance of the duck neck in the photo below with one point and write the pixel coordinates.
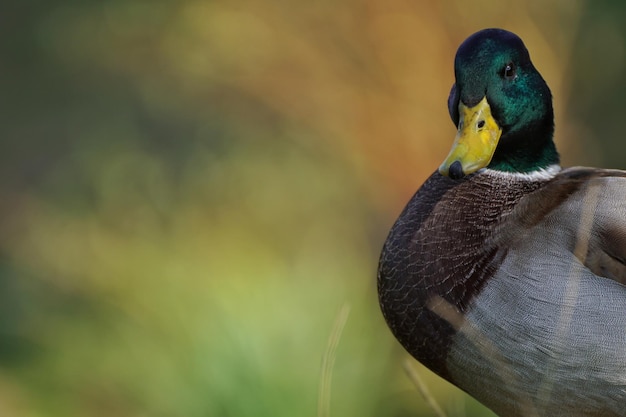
(527, 150)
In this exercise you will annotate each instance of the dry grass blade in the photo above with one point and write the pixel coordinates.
(422, 388)
(328, 362)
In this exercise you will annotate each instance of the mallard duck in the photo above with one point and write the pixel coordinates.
(505, 274)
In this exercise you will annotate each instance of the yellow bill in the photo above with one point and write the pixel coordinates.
(475, 142)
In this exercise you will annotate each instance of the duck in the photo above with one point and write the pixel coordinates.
(505, 274)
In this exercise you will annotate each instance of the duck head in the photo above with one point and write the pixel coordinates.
(501, 106)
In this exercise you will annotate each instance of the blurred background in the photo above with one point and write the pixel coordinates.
(194, 194)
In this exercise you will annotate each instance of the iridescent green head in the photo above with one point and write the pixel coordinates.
(501, 106)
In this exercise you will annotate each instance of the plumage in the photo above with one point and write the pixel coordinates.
(505, 274)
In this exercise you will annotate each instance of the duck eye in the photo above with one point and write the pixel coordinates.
(509, 71)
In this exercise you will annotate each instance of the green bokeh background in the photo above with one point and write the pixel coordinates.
(191, 191)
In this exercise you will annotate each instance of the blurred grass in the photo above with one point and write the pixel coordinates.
(191, 190)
